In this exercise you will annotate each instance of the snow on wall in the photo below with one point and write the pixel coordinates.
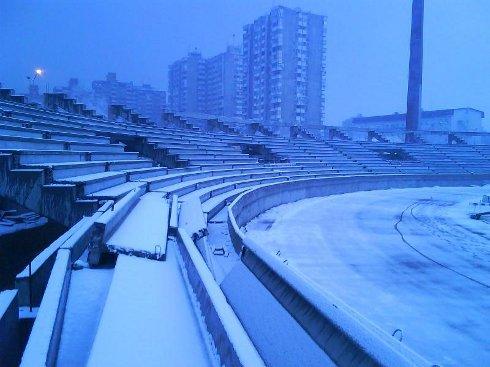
(42, 347)
(233, 344)
(293, 291)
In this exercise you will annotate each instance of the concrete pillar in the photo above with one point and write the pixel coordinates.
(414, 95)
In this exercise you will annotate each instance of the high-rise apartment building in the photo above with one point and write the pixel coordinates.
(186, 84)
(143, 99)
(224, 88)
(212, 85)
(284, 68)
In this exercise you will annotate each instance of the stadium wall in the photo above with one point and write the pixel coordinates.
(345, 338)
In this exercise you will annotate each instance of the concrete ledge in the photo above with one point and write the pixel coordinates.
(174, 214)
(75, 240)
(191, 217)
(42, 346)
(9, 329)
(107, 223)
(250, 204)
(78, 244)
(41, 267)
(345, 338)
(232, 342)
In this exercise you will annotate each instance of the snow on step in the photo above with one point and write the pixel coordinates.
(86, 298)
(118, 191)
(148, 319)
(144, 231)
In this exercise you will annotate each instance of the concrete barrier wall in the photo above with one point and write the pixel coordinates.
(107, 223)
(230, 339)
(31, 288)
(78, 244)
(42, 346)
(9, 329)
(346, 340)
(250, 204)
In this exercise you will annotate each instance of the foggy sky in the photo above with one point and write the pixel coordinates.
(367, 45)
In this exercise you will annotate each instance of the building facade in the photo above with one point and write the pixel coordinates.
(144, 100)
(448, 120)
(186, 84)
(285, 68)
(224, 88)
(212, 86)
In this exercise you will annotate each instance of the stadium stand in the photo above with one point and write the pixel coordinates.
(131, 188)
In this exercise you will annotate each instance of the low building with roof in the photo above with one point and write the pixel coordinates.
(454, 119)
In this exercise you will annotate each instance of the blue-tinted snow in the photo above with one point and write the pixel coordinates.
(432, 283)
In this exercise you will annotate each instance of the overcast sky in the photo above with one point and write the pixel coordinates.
(368, 45)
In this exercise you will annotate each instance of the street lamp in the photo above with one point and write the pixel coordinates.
(38, 72)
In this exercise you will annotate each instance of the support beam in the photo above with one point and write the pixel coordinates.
(414, 94)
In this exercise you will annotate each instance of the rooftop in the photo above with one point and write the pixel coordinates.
(402, 116)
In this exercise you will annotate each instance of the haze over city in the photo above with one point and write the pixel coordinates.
(367, 46)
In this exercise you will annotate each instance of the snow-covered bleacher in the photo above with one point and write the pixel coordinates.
(138, 189)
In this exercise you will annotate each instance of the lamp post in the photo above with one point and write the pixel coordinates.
(38, 72)
(33, 89)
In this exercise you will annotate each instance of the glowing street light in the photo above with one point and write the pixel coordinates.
(38, 73)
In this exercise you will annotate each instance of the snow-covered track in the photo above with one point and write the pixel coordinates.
(343, 337)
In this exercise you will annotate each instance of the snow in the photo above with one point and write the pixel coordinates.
(17, 227)
(148, 319)
(279, 339)
(246, 352)
(191, 217)
(218, 238)
(180, 185)
(38, 346)
(92, 176)
(6, 298)
(214, 201)
(118, 190)
(144, 228)
(86, 298)
(434, 286)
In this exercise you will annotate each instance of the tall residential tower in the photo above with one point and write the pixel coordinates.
(212, 85)
(284, 68)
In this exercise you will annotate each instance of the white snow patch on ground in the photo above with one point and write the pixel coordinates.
(145, 227)
(218, 239)
(148, 319)
(434, 287)
(86, 298)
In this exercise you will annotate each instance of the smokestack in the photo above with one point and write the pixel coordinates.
(414, 94)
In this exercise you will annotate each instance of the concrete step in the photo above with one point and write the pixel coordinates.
(221, 156)
(224, 161)
(59, 171)
(131, 164)
(87, 184)
(18, 142)
(94, 147)
(29, 156)
(112, 156)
